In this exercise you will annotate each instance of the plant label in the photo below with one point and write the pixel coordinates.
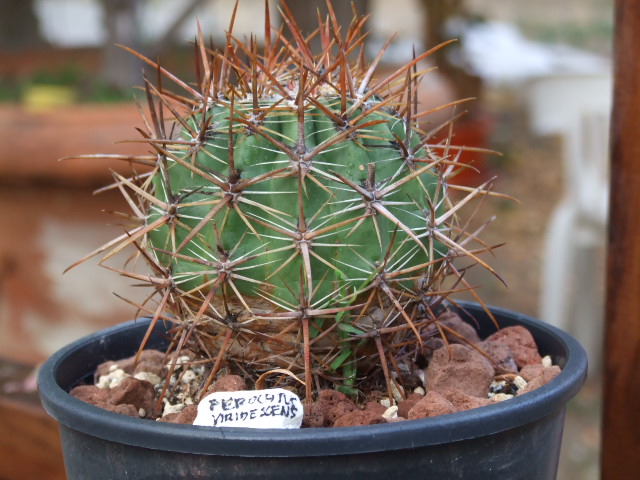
(271, 408)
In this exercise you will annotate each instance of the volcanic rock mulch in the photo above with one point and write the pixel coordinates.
(459, 375)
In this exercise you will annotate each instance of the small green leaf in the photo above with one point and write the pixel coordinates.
(340, 359)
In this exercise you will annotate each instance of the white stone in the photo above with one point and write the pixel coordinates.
(112, 379)
(419, 390)
(519, 382)
(391, 413)
(271, 408)
(501, 397)
(546, 361)
(397, 392)
(385, 402)
(168, 408)
(149, 377)
(188, 376)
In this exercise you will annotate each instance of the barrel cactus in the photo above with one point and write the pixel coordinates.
(296, 222)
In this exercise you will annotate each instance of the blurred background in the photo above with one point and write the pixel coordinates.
(541, 74)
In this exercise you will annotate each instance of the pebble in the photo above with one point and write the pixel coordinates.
(113, 378)
(546, 361)
(169, 408)
(149, 377)
(519, 382)
(270, 408)
(500, 397)
(390, 413)
(397, 392)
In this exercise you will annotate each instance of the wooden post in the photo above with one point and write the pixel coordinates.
(621, 416)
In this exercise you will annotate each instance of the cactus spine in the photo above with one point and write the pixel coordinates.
(295, 218)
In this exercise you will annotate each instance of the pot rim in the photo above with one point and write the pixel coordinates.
(491, 419)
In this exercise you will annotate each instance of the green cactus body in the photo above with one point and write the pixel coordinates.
(347, 255)
(296, 217)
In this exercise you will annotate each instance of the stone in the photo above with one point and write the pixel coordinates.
(112, 378)
(122, 409)
(358, 418)
(333, 405)
(132, 391)
(462, 328)
(521, 343)
(228, 383)
(519, 382)
(390, 413)
(501, 397)
(461, 367)
(313, 417)
(375, 407)
(408, 404)
(186, 416)
(151, 361)
(270, 408)
(548, 374)
(501, 356)
(90, 394)
(461, 401)
(172, 409)
(336, 411)
(529, 372)
(432, 405)
(149, 377)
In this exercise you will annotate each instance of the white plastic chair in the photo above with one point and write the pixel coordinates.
(577, 108)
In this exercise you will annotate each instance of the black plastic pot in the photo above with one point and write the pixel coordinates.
(517, 439)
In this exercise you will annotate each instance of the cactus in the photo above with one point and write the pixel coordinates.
(295, 219)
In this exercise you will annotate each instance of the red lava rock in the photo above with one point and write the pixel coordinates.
(454, 322)
(461, 367)
(415, 396)
(91, 394)
(521, 343)
(127, 398)
(462, 401)
(313, 416)
(431, 345)
(405, 406)
(228, 383)
(132, 391)
(187, 415)
(529, 372)
(548, 374)
(100, 397)
(431, 405)
(408, 404)
(333, 405)
(357, 418)
(337, 411)
(151, 361)
(501, 356)
(375, 407)
(123, 409)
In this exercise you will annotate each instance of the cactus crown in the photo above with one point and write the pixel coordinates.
(295, 219)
